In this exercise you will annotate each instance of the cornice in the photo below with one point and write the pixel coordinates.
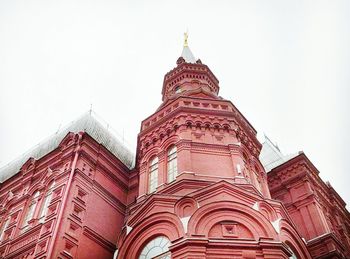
(322, 239)
(182, 122)
(102, 152)
(322, 191)
(184, 183)
(225, 107)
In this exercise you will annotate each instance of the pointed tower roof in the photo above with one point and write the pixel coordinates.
(186, 52)
(190, 76)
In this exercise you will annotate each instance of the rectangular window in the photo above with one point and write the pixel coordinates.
(3, 228)
(172, 164)
(153, 175)
(44, 208)
(30, 212)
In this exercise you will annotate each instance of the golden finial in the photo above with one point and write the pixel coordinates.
(186, 37)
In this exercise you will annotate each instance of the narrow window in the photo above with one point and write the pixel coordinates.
(172, 164)
(178, 90)
(239, 170)
(4, 226)
(153, 175)
(46, 203)
(30, 211)
(257, 182)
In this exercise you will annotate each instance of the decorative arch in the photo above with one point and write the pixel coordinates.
(8, 200)
(199, 124)
(28, 165)
(35, 188)
(150, 154)
(227, 127)
(159, 224)
(185, 207)
(48, 176)
(290, 236)
(190, 124)
(168, 142)
(70, 139)
(267, 210)
(207, 216)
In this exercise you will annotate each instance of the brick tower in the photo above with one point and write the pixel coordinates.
(202, 191)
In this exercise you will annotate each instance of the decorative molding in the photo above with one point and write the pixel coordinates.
(93, 235)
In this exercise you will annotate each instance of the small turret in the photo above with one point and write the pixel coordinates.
(189, 77)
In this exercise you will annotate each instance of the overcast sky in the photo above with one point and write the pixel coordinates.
(284, 64)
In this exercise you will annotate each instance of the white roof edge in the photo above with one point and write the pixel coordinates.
(188, 55)
(89, 123)
(271, 156)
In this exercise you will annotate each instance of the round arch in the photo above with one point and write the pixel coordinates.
(168, 142)
(153, 152)
(208, 215)
(290, 236)
(158, 224)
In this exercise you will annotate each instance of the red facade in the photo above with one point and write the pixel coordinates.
(197, 190)
(317, 210)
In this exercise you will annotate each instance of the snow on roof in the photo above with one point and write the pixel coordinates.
(271, 156)
(88, 123)
(188, 55)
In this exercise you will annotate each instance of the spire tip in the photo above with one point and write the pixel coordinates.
(185, 40)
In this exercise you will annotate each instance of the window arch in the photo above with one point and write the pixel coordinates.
(153, 175)
(46, 202)
(30, 211)
(172, 164)
(156, 248)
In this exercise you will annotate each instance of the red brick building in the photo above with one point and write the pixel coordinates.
(200, 186)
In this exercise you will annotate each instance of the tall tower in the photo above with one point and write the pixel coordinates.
(202, 191)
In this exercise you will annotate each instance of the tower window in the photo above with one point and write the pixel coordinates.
(153, 175)
(178, 89)
(172, 164)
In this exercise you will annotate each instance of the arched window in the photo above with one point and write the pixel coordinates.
(178, 89)
(30, 211)
(153, 175)
(46, 203)
(156, 248)
(172, 164)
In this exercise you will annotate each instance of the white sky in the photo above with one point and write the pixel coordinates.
(284, 64)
